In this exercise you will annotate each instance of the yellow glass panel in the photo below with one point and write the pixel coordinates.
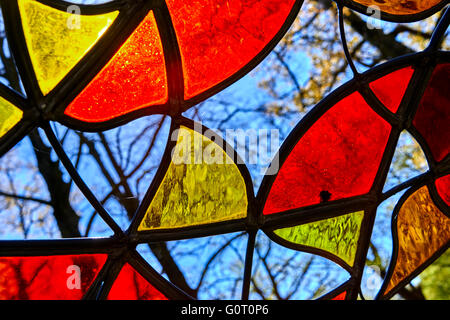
(9, 116)
(58, 40)
(422, 230)
(338, 235)
(397, 7)
(202, 185)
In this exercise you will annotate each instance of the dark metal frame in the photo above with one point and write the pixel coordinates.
(121, 247)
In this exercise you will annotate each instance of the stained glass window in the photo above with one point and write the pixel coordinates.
(110, 64)
(54, 47)
(421, 230)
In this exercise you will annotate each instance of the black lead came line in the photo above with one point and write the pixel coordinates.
(79, 181)
(344, 40)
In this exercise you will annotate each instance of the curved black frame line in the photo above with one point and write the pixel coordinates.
(423, 63)
(443, 208)
(402, 18)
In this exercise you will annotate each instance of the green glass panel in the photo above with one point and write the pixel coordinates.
(202, 185)
(58, 40)
(338, 235)
(9, 116)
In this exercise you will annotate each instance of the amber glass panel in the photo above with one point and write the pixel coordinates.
(338, 235)
(337, 157)
(130, 285)
(422, 229)
(398, 7)
(9, 116)
(202, 185)
(58, 40)
(443, 188)
(391, 88)
(133, 79)
(433, 115)
(219, 37)
(65, 277)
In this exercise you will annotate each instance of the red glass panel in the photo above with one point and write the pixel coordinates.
(391, 88)
(338, 157)
(217, 38)
(133, 79)
(443, 188)
(130, 285)
(433, 115)
(65, 277)
(340, 296)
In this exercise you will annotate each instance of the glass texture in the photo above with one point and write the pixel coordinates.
(65, 277)
(422, 229)
(9, 116)
(219, 37)
(133, 79)
(58, 40)
(338, 235)
(130, 285)
(338, 157)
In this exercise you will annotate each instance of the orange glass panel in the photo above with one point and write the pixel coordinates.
(404, 7)
(217, 38)
(130, 285)
(391, 88)
(133, 79)
(10, 115)
(65, 277)
(422, 229)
